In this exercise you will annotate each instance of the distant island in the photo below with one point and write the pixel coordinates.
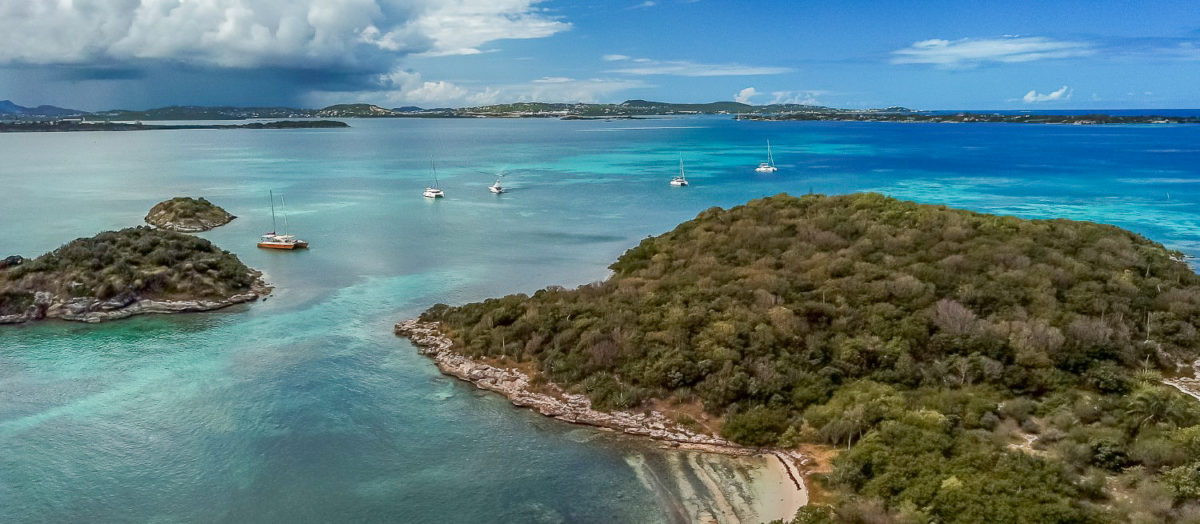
(81, 124)
(117, 274)
(187, 215)
(566, 111)
(938, 364)
(975, 117)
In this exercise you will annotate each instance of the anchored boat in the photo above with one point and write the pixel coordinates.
(681, 179)
(769, 165)
(435, 191)
(274, 240)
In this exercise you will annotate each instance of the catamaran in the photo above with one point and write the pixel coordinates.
(680, 180)
(273, 240)
(769, 165)
(435, 191)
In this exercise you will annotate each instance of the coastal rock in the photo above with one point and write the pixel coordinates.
(576, 409)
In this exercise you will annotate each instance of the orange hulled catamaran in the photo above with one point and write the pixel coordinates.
(273, 240)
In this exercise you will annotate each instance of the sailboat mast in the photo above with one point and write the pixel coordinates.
(680, 165)
(273, 226)
(283, 211)
(770, 159)
(435, 179)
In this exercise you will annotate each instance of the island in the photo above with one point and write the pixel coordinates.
(117, 274)
(187, 215)
(82, 124)
(913, 362)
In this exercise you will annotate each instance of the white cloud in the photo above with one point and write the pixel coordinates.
(1063, 93)
(614, 58)
(803, 97)
(647, 66)
(745, 95)
(969, 52)
(643, 5)
(410, 88)
(353, 34)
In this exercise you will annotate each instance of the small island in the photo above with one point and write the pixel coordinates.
(911, 363)
(187, 215)
(117, 274)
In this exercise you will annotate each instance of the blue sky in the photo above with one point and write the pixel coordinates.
(99, 54)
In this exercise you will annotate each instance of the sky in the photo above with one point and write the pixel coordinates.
(931, 54)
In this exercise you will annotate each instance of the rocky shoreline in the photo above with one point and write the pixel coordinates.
(577, 409)
(92, 310)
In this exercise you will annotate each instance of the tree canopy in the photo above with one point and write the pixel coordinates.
(928, 340)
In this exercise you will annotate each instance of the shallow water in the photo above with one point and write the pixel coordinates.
(305, 407)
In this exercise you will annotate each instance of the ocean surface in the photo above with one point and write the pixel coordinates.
(305, 408)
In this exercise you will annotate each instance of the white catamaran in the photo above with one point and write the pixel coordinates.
(273, 240)
(769, 165)
(681, 179)
(435, 191)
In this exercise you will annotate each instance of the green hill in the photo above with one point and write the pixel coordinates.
(970, 367)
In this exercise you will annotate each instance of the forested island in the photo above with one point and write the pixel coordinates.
(76, 124)
(116, 274)
(960, 367)
(187, 215)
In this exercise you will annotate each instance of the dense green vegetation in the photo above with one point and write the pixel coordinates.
(128, 264)
(187, 214)
(971, 367)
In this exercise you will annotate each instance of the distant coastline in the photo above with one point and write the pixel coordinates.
(973, 117)
(75, 124)
(18, 117)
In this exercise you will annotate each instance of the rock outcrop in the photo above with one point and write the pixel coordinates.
(187, 215)
(92, 310)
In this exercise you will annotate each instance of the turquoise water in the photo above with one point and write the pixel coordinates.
(305, 407)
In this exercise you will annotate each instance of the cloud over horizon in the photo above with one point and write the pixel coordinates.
(1032, 97)
(968, 52)
(648, 66)
(341, 34)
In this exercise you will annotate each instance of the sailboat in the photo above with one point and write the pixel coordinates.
(681, 180)
(496, 187)
(435, 191)
(273, 240)
(769, 165)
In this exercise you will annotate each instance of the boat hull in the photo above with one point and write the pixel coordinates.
(283, 245)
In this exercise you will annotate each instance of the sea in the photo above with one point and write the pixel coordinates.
(304, 407)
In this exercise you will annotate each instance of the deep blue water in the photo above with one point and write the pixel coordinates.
(305, 407)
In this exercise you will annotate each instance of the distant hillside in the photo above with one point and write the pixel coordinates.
(8, 108)
(355, 111)
(202, 113)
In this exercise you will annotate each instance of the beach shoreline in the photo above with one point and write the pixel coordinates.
(784, 466)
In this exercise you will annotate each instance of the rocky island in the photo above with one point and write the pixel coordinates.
(947, 365)
(117, 274)
(187, 215)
